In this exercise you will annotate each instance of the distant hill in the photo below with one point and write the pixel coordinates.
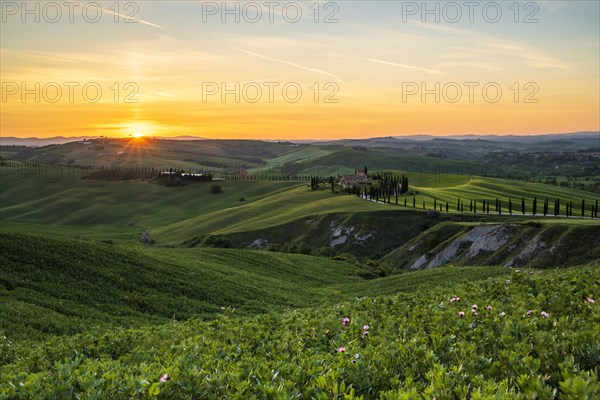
(38, 142)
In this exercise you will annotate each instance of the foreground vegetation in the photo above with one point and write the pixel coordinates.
(52, 285)
(520, 336)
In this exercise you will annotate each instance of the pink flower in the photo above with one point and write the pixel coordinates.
(341, 350)
(544, 314)
(488, 307)
(452, 300)
(165, 378)
(461, 314)
(474, 307)
(346, 321)
(590, 300)
(474, 312)
(366, 328)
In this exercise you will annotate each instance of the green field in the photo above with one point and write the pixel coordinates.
(63, 200)
(535, 335)
(89, 311)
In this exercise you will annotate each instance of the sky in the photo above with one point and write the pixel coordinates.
(298, 69)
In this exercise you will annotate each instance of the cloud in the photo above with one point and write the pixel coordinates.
(290, 63)
(132, 20)
(393, 64)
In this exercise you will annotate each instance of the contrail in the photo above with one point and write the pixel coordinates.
(126, 17)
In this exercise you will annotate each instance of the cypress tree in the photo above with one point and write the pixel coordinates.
(434, 203)
(499, 207)
(545, 206)
(458, 205)
(596, 210)
(446, 206)
(471, 206)
(488, 207)
(405, 202)
(510, 206)
(534, 206)
(571, 208)
(414, 202)
(496, 204)
(523, 205)
(582, 207)
(475, 207)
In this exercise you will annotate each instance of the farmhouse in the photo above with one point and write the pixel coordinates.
(359, 178)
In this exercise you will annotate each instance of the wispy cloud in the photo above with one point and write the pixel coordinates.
(128, 18)
(292, 64)
(393, 64)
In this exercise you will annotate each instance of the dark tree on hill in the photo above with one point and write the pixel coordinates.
(471, 206)
(496, 204)
(523, 205)
(414, 202)
(499, 207)
(583, 207)
(458, 205)
(434, 203)
(475, 207)
(571, 208)
(488, 207)
(546, 207)
(510, 206)
(405, 202)
(596, 210)
(556, 207)
(365, 171)
(534, 206)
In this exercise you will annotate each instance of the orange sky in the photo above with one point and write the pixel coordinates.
(362, 76)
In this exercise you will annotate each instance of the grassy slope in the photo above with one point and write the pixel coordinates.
(491, 188)
(57, 285)
(52, 285)
(104, 208)
(417, 347)
(270, 211)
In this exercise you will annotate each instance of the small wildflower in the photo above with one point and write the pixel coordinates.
(544, 314)
(590, 300)
(341, 350)
(461, 314)
(474, 312)
(346, 321)
(503, 314)
(474, 307)
(165, 378)
(454, 299)
(366, 328)
(529, 312)
(488, 307)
